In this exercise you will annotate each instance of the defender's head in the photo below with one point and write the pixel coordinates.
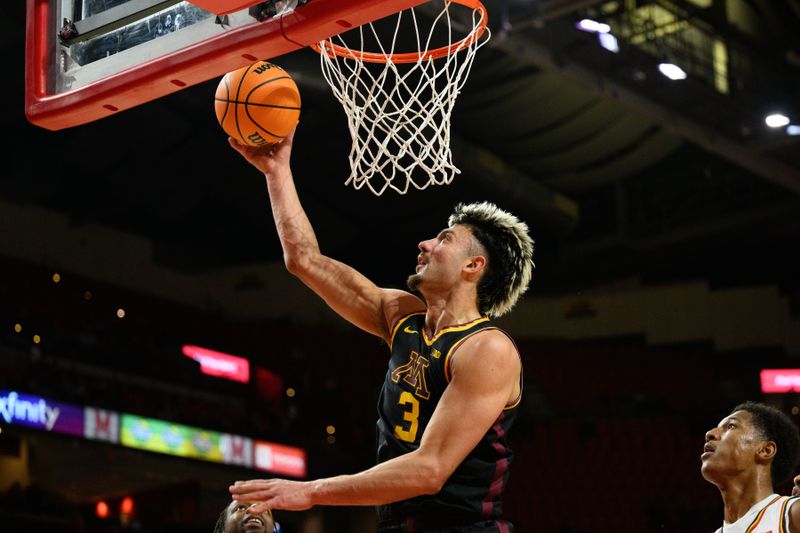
(235, 519)
(754, 436)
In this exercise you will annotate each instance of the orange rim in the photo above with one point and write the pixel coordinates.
(333, 50)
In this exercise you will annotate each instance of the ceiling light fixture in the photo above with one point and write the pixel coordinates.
(672, 71)
(793, 129)
(777, 120)
(592, 26)
(608, 41)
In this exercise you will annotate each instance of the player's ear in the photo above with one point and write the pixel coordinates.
(475, 264)
(767, 450)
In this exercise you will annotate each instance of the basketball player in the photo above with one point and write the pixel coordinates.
(454, 381)
(235, 519)
(753, 449)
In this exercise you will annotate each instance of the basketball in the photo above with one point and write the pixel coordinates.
(258, 104)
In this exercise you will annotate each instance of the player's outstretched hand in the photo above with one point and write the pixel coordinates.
(269, 159)
(280, 494)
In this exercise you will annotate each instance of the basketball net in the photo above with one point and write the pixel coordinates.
(399, 105)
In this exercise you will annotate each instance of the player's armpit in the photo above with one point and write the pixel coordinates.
(398, 304)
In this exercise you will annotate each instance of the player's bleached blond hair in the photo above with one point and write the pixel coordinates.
(510, 249)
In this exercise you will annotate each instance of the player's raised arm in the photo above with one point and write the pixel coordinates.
(344, 289)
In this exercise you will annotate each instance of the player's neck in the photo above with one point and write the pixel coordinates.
(449, 311)
(739, 497)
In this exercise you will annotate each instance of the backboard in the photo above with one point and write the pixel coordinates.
(88, 59)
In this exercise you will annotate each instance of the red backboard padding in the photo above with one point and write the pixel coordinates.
(223, 7)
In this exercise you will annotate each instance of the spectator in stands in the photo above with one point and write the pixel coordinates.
(235, 519)
(751, 450)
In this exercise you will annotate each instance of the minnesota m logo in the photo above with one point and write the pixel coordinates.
(413, 373)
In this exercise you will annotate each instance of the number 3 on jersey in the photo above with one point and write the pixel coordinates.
(410, 415)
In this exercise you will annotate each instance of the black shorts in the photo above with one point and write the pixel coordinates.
(485, 526)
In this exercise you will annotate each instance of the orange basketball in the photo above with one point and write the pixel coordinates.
(258, 104)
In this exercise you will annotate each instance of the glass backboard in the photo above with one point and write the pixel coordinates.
(88, 59)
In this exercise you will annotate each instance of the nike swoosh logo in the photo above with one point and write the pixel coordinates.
(408, 329)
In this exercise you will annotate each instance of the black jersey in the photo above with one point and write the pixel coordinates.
(419, 371)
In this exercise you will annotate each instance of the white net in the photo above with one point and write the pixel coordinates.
(399, 105)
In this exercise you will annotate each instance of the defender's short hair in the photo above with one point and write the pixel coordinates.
(776, 426)
(510, 250)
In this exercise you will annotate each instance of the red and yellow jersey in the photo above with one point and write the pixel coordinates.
(419, 372)
(770, 515)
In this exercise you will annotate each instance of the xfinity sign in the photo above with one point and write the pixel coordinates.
(40, 413)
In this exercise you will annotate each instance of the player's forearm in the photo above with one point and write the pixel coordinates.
(399, 479)
(296, 234)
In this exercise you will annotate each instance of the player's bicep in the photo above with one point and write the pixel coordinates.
(472, 403)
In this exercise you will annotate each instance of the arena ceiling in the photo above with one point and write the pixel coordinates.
(620, 171)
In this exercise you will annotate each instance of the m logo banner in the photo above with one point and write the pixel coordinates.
(236, 450)
(99, 424)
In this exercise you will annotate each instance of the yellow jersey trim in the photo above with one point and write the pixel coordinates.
(450, 329)
(453, 348)
(786, 503)
(450, 352)
(400, 323)
(782, 517)
(519, 398)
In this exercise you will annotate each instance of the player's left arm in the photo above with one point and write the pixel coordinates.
(794, 516)
(485, 373)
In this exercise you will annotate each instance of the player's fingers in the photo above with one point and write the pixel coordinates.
(249, 152)
(243, 487)
(236, 146)
(244, 150)
(254, 495)
(260, 508)
(247, 498)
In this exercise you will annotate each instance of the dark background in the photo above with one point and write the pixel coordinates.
(674, 182)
